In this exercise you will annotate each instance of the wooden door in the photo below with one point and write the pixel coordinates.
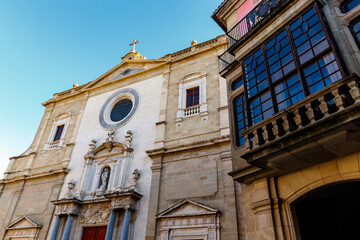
(94, 233)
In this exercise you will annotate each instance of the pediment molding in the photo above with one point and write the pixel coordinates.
(23, 222)
(187, 208)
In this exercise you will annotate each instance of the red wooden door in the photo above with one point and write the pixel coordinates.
(94, 233)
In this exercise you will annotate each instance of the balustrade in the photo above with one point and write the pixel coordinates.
(327, 102)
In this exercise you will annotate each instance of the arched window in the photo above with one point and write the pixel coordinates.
(104, 178)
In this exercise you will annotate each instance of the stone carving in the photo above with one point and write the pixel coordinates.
(111, 135)
(136, 176)
(71, 186)
(95, 214)
(128, 138)
(92, 145)
(104, 178)
(133, 45)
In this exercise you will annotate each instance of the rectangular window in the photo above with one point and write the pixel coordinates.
(58, 133)
(192, 97)
(296, 62)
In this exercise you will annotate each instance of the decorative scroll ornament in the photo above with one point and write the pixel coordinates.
(128, 139)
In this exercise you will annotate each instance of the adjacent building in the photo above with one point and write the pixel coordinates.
(292, 71)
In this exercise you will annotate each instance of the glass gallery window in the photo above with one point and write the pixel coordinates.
(296, 62)
(348, 5)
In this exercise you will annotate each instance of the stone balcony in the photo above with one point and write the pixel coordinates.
(321, 127)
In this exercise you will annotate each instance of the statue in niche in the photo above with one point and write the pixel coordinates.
(104, 179)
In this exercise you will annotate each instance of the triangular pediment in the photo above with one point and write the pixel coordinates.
(24, 222)
(187, 207)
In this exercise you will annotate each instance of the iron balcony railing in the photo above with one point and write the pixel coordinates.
(245, 25)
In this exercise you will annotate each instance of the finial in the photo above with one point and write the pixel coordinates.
(111, 135)
(193, 43)
(75, 85)
(133, 45)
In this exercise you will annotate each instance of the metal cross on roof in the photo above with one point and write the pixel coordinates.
(133, 44)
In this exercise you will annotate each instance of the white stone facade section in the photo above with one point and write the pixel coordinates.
(192, 80)
(142, 125)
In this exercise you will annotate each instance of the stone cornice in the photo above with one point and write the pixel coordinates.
(33, 176)
(184, 147)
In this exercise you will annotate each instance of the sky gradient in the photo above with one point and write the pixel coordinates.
(46, 46)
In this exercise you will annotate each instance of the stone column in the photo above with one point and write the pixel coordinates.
(126, 225)
(56, 228)
(110, 227)
(68, 227)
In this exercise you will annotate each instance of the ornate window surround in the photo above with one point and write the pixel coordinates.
(104, 117)
(192, 80)
(62, 119)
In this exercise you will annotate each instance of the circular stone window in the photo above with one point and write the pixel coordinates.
(119, 108)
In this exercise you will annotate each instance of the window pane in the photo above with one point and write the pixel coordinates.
(240, 118)
(121, 110)
(347, 6)
(59, 130)
(289, 92)
(312, 39)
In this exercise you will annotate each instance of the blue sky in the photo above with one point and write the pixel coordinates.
(46, 46)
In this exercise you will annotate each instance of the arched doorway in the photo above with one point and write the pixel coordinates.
(331, 212)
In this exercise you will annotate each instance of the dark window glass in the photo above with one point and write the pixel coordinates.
(322, 73)
(192, 97)
(240, 118)
(121, 110)
(237, 83)
(355, 29)
(58, 133)
(272, 79)
(308, 36)
(348, 5)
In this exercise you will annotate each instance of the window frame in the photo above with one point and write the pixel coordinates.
(193, 95)
(299, 67)
(188, 82)
(62, 119)
(59, 128)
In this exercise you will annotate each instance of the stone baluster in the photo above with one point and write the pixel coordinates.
(247, 143)
(297, 118)
(324, 106)
(265, 134)
(275, 129)
(110, 227)
(255, 139)
(56, 227)
(286, 124)
(338, 99)
(354, 90)
(126, 225)
(310, 112)
(68, 225)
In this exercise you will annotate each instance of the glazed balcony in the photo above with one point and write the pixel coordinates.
(319, 128)
(257, 17)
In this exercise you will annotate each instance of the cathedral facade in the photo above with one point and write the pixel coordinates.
(142, 152)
